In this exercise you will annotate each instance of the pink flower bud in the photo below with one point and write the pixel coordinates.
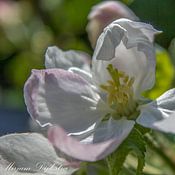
(103, 14)
(9, 13)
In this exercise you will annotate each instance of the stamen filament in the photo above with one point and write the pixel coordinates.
(119, 92)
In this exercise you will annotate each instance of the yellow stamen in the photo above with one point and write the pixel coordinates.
(119, 91)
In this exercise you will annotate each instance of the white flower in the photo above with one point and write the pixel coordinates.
(94, 112)
(31, 153)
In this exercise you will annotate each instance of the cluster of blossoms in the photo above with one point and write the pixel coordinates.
(89, 112)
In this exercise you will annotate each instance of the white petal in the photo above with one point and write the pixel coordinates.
(100, 74)
(166, 125)
(159, 114)
(137, 31)
(135, 64)
(133, 34)
(86, 75)
(113, 129)
(107, 42)
(56, 58)
(106, 139)
(128, 46)
(30, 153)
(61, 97)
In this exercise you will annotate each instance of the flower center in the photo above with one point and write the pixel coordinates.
(120, 93)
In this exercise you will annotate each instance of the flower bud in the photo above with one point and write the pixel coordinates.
(103, 14)
(9, 13)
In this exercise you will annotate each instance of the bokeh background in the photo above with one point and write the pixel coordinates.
(28, 27)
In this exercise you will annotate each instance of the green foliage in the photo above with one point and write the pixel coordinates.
(127, 1)
(135, 144)
(38, 24)
(24, 37)
(161, 14)
(20, 67)
(171, 50)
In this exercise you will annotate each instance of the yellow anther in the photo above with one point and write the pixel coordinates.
(104, 87)
(114, 74)
(119, 90)
(130, 82)
(111, 82)
(121, 74)
(126, 78)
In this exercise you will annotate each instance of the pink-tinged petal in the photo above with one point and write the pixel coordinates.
(110, 10)
(103, 14)
(56, 96)
(104, 143)
(76, 164)
(159, 114)
(128, 46)
(56, 58)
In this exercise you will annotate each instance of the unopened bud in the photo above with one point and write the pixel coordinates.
(103, 14)
(9, 13)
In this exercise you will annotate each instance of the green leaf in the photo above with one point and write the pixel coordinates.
(159, 13)
(171, 50)
(128, 2)
(116, 160)
(97, 168)
(134, 143)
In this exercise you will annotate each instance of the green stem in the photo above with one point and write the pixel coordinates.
(82, 170)
(158, 149)
(110, 169)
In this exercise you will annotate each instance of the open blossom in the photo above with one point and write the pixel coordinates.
(103, 14)
(91, 113)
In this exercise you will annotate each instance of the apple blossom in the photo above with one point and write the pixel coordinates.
(90, 114)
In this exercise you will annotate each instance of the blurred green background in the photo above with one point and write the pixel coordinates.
(28, 27)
